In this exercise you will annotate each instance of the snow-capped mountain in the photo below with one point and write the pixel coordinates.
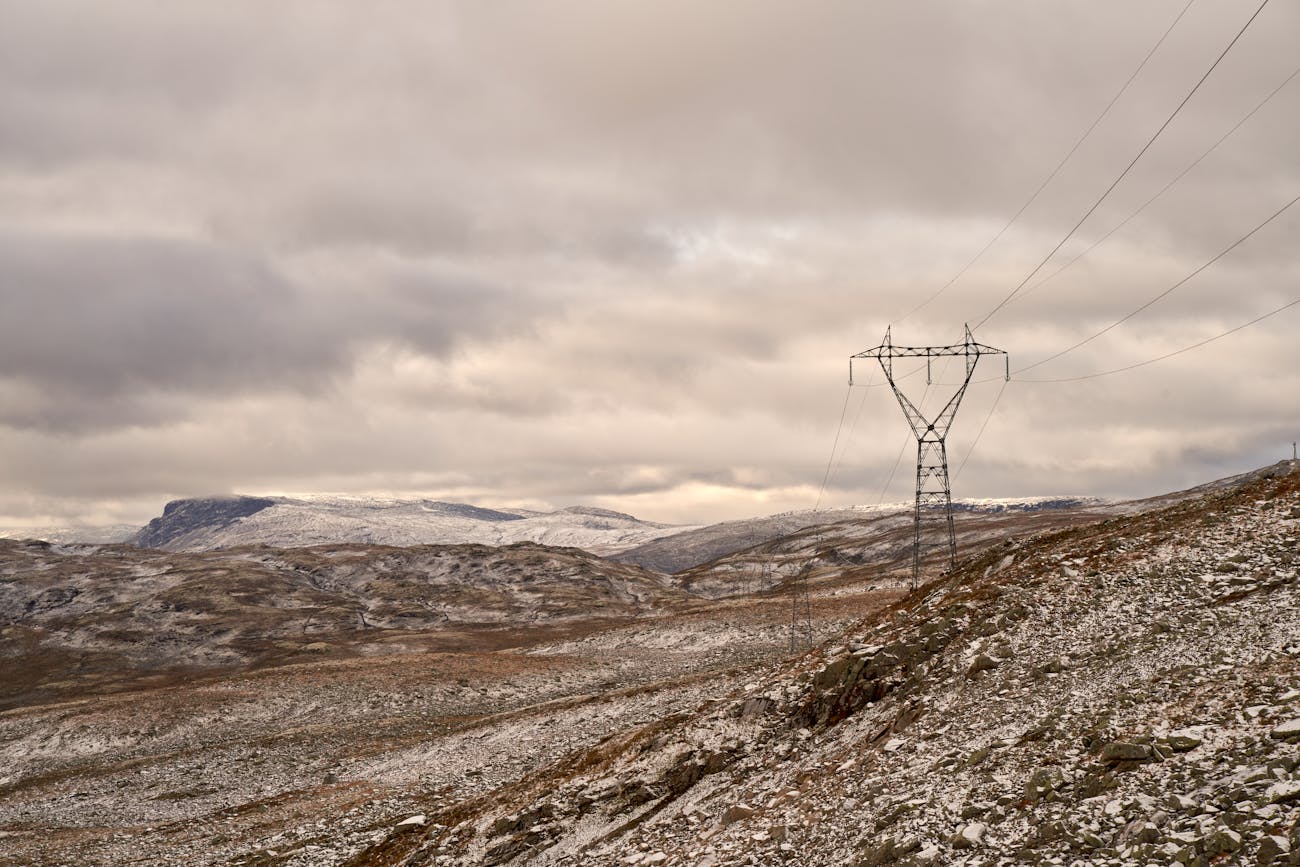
(207, 523)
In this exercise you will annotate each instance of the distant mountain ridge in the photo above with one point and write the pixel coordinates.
(208, 523)
(227, 521)
(103, 534)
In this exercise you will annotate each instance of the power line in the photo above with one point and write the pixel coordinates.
(853, 427)
(826, 477)
(1124, 369)
(1052, 175)
(832, 465)
(1167, 355)
(1158, 358)
(1016, 373)
(1127, 169)
(1225, 251)
(889, 481)
(1165, 188)
(976, 441)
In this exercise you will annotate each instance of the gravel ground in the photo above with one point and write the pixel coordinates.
(311, 763)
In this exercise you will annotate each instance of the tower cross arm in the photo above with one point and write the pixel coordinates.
(887, 351)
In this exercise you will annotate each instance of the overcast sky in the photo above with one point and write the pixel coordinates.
(618, 253)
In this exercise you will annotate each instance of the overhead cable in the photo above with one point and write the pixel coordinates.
(1052, 175)
(1196, 345)
(1225, 251)
(853, 427)
(1095, 244)
(976, 441)
(1127, 169)
(830, 460)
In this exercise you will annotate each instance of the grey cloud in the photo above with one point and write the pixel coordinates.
(103, 316)
(411, 221)
(614, 251)
(82, 83)
(107, 332)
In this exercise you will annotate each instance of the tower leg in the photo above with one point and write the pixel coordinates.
(947, 510)
(933, 494)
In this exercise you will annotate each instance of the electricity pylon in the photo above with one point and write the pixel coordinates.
(933, 491)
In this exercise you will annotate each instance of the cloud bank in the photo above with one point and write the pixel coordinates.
(618, 254)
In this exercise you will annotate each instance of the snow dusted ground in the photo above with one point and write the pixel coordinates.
(1126, 693)
(1121, 691)
(105, 535)
(312, 763)
(76, 618)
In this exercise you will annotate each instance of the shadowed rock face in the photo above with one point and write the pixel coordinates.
(181, 517)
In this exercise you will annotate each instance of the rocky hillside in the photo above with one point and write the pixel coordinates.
(1121, 693)
(1119, 689)
(107, 534)
(73, 615)
(694, 547)
(310, 763)
(702, 546)
(208, 523)
(881, 541)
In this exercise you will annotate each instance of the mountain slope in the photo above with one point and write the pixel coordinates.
(82, 614)
(694, 547)
(1123, 693)
(881, 543)
(184, 520)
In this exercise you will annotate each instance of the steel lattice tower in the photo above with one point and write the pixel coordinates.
(933, 491)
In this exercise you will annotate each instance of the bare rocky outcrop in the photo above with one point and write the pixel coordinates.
(184, 519)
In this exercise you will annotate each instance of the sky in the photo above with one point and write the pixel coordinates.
(573, 252)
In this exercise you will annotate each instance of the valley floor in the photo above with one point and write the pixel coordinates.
(309, 763)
